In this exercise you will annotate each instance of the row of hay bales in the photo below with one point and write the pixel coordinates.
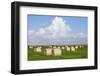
(56, 50)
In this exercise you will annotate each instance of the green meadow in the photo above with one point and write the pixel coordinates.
(79, 53)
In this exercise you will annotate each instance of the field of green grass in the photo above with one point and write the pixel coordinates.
(79, 53)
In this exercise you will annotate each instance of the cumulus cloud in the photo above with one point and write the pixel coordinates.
(56, 33)
(57, 28)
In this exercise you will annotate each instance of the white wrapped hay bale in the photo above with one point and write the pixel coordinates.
(48, 51)
(68, 48)
(30, 47)
(38, 49)
(63, 47)
(57, 52)
(76, 47)
(58, 47)
(72, 49)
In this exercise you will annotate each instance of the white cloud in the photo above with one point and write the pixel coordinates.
(56, 29)
(56, 33)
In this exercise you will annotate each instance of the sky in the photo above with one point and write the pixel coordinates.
(57, 30)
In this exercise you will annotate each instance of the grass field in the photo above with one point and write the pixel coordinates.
(79, 53)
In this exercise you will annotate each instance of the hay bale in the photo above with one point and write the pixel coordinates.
(68, 48)
(72, 49)
(57, 52)
(63, 47)
(58, 47)
(30, 47)
(48, 51)
(76, 47)
(80, 46)
(38, 49)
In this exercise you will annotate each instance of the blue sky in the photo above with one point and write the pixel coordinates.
(78, 24)
(57, 29)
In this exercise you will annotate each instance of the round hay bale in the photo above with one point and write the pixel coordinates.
(63, 47)
(30, 47)
(58, 47)
(68, 48)
(76, 47)
(72, 49)
(57, 52)
(48, 51)
(38, 49)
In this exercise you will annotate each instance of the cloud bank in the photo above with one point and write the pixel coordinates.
(57, 33)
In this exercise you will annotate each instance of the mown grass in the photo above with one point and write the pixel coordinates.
(80, 53)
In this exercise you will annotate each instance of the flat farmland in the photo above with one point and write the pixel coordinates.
(41, 52)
